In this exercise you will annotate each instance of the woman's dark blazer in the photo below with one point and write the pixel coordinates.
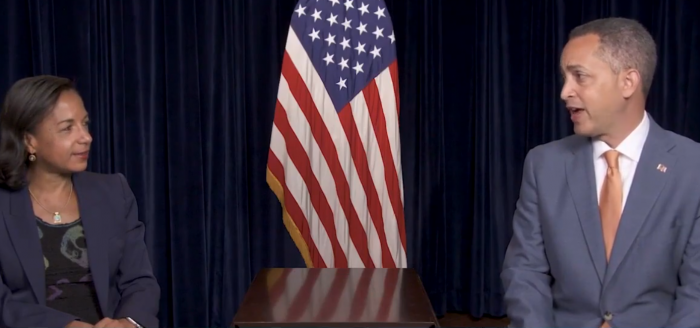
(119, 262)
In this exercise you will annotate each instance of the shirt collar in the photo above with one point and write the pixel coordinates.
(631, 147)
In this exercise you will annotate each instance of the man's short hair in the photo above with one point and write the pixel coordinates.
(624, 44)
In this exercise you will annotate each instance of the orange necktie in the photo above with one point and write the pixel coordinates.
(611, 201)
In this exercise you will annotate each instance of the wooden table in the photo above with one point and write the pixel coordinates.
(296, 297)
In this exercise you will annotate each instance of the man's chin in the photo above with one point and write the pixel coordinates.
(582, 130)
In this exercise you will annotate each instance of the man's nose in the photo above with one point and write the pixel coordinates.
(566, 91)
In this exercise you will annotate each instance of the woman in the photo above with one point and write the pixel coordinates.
(72, 251)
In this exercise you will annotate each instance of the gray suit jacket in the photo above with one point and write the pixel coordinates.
(555, 272)
(119, 261)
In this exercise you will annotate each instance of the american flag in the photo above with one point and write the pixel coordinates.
(334, 161)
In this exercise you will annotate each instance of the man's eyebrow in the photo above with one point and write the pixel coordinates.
(574, 67)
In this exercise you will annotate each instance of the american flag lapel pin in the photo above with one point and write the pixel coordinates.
(661, 168)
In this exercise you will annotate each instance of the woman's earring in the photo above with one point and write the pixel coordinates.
(32, 157)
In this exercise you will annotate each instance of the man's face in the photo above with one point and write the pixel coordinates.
(592, 91)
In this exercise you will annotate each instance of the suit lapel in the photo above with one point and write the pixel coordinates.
(96, 238)
(646, 187)
(24, 234)
(581, 180)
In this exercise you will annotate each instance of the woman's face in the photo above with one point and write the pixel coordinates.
(61, 142)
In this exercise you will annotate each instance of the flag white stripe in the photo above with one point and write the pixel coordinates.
(322, 100)
(369, 141)
(385, 85)
(299, 191)
(319, 166)
(388, 102)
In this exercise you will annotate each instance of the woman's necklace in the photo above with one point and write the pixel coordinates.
(56, 215)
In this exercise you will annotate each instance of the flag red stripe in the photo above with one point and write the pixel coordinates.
(323, 138)
(293, 209)
(359, 157)
(376, 114)
(394, 72)
(318, 199)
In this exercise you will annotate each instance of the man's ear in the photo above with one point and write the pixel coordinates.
(631, 82)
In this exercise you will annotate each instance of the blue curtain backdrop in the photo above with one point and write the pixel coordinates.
(182, 94)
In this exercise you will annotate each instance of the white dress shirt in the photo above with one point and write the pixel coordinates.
(630, 150)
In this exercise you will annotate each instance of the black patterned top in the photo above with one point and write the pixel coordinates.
(69, 286)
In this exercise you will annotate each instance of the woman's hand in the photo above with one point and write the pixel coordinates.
(78, 324)
(112, 323)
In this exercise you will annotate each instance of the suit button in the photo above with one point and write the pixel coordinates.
(607, 316)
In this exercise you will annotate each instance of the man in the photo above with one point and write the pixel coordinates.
(621, 180)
